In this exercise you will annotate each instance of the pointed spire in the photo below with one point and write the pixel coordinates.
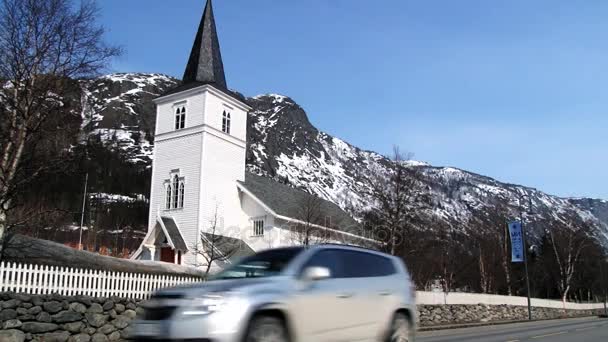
(205, 62)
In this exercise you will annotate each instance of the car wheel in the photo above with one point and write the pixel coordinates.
(267, 329)
(400, 329)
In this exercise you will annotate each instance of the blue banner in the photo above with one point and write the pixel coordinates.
(517, 242)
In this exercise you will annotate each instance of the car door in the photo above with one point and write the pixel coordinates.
(376, 297)
(364, 302)
(320, 309)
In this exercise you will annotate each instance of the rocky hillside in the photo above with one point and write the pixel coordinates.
(283, 143)
(119, 107)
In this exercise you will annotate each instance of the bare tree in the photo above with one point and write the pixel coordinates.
(43, 43)
(454, 260)
(214, 247)
(449, 261)
(395, 196)
(567, 243)
(504, 258)
(307, 231)
(492, 239)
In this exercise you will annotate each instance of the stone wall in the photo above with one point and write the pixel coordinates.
(466, 298)
(430, 315)
(55, 318)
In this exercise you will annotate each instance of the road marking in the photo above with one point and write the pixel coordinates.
(547, 335)
(513, 341)
(587, 328)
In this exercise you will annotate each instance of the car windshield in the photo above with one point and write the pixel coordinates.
(264, 264)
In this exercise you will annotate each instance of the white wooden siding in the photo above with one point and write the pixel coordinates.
(165, 113)
(214, 108)
(43, 279)
(183, 153)
(210, 161)
(223, 164)
(253, 210)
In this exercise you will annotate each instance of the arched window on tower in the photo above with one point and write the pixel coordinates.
(180, 117)
(168, 197)
(226, 122)
(183, 118)
(175, 191)
(181, 194)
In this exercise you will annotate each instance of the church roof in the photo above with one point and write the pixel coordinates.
(233, 248)
(205, 64)
(174, 235)
(290, 202)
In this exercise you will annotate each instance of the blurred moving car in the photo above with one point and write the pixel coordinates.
(319, 293)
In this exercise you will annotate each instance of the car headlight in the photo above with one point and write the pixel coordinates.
(206, 304)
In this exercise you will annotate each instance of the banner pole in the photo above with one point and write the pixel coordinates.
(523, 239)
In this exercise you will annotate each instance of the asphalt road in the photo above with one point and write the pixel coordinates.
(567, 330)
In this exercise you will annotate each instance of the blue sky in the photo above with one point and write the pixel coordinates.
(516, 90)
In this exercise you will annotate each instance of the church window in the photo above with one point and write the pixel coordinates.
(175, 192)
(183, 115)
(226, 122)
(258, 227)
(180, 117)
(181, 194)
(168, 199)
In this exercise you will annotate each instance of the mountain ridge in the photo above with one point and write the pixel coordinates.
(282, 143)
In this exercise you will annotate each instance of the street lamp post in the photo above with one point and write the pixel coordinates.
(523, 231)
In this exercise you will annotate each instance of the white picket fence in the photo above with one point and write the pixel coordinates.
(43, 279)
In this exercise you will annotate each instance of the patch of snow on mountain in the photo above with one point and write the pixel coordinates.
(415, 163)
(342, 149)
(141, 79)
(111, 198)
(276, 98)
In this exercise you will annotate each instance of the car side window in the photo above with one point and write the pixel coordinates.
(363, 265)
(328, 258)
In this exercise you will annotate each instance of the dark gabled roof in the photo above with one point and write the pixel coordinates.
(233, 248)
(293, 203)
(174, 235)
(192, 85)
(182, 87)
(205, 63)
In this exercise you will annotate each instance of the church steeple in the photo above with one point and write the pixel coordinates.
(205, 63)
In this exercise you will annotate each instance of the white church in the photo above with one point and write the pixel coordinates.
(199, 179)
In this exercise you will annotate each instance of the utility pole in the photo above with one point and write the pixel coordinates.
(84, 202)
(604, 283)
(523, 238)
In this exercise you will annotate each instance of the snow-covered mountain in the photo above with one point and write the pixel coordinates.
(282, 143)
(119, 108)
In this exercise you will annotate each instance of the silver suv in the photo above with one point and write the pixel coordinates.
(320, 293)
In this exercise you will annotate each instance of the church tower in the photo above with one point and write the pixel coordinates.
(199, 155)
